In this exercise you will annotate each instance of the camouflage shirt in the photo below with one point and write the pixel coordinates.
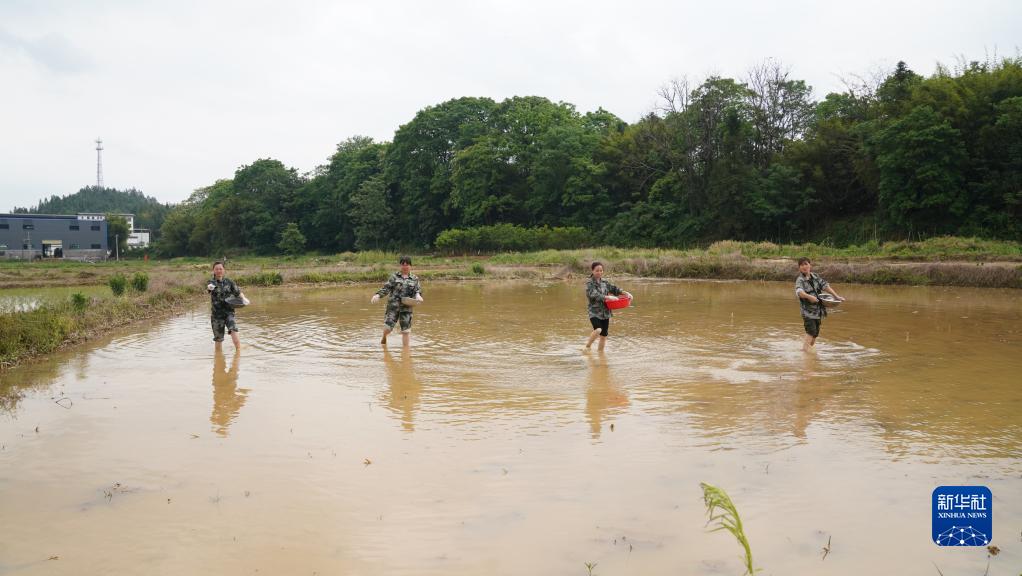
(812, 285)
(596, 292)
(398, 287)
(222, 290)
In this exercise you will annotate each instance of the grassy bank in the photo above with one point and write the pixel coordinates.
(737, 267)
(53, 325)
(937, 261)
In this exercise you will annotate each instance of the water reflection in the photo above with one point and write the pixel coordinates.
(15, 382)
(403, 387)
(806, 395)
(227, 397)
(509, 419)
(604, 397)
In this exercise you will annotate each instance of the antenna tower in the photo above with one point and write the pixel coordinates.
(99, 162)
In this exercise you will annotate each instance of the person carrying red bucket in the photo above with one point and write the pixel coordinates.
(603, 297)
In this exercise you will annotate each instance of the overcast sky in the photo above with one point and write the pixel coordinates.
(184, 92)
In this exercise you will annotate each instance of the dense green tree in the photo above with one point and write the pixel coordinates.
(373, 219)
(895, 93)
(756, 159)
(325, 201)
(921, 157)
(420, 164)
(292, 241)
(176, 232)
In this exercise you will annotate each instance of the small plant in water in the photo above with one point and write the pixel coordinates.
(590, 566)
(118, 283)
(478, 269)
(722, 510)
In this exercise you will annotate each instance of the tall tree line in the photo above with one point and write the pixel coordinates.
(755, 158)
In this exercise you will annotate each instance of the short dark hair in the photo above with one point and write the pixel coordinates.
(220, 263)
(804, 260)
(405, 260)
(595, 264)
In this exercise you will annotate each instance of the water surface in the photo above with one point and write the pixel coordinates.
(495, 445)
(27, 299)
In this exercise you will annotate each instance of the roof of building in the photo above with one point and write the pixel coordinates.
(38, 216)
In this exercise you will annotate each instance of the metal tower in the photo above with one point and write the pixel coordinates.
(99, 162)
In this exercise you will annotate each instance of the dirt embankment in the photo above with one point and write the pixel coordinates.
(985, 274)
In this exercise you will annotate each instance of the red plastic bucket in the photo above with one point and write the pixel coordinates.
(621, 302)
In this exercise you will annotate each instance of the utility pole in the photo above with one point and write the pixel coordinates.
(117, 243)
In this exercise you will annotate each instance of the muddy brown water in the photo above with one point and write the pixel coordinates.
(494, 445)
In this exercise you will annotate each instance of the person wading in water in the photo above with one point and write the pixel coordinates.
(808, 287)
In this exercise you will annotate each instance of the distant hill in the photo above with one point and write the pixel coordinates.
(149, 212)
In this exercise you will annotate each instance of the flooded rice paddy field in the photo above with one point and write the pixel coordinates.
(495, 445)
(27, 299)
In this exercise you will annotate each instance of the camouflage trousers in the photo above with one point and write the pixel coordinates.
(398, 314)
(221, 323)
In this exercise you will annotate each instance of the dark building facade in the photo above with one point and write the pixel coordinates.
(30, 236)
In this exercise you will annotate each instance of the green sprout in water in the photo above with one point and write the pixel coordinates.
(721, 510)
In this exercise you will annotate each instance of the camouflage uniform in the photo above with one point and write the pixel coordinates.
(596, 292)
(221, 313)
(812, 312)
(396, 288)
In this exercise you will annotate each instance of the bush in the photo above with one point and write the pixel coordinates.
(292, 241)
(261, 279)
(140, 282)
(79, 302)
(478, 269)
(510, 237)
(118, 283)
(338, 277)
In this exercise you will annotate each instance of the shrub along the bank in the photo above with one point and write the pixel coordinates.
(118, 283)
(140, 281)
(261, 279)
(43, 330)
(509, 237)
(79, 302)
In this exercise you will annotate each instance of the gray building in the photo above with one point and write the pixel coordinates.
(31, 236)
